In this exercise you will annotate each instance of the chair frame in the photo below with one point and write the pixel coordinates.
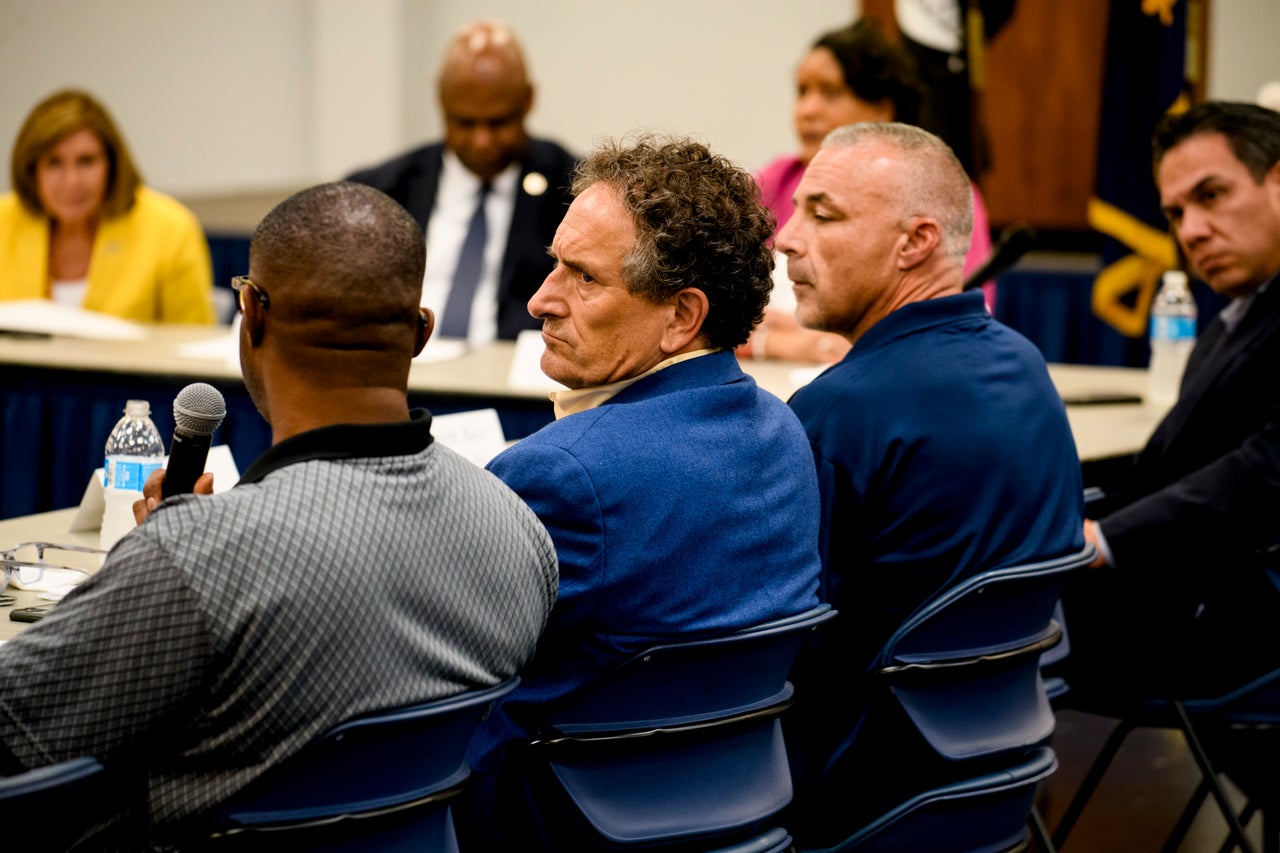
(1233, 708)
(283, 799)
(632, 704)
(49, 798)
(1038, 765)
(924, 649)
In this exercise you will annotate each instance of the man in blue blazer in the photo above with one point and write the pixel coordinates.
(485, 96)
(1188, 580)
(681, 497)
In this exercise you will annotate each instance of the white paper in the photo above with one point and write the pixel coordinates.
(92, 503)
(802, 376)
(526, 364)
(224, 347)
(475, 435)
(42, 316)
(441, 349)
(54, 583)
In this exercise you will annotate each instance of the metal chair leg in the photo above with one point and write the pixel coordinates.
(1040, 832)
(1091, 781)
(1211, 778)
(1188, 817)
(1270, 831)
(1250, 809)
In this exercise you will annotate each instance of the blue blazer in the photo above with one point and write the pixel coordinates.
(687, 504)
(413, 179)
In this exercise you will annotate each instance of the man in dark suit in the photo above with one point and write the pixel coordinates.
(1188, 582)
(486, 159)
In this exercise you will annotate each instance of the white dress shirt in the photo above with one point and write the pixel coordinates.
(447, 228)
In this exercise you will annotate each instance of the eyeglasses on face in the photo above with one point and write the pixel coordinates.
(240, 282)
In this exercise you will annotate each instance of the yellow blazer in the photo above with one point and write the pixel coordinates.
(150, 265)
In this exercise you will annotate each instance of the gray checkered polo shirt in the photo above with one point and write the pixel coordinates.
(353, 568)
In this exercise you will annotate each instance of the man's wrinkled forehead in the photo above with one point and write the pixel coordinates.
(847, 173)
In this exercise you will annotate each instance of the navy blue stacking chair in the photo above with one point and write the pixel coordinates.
(960, 681)
(965, 668)
(52, 808)
(986, 813)
(680, 747)
(381, 781)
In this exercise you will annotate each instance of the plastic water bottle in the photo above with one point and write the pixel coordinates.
(1173, 335)
(134, 450)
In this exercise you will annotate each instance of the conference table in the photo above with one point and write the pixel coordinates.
(43, 527)
(60, 397)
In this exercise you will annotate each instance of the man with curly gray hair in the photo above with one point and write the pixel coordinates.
(681, 498)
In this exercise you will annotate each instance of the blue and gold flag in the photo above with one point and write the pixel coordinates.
(1144, 78)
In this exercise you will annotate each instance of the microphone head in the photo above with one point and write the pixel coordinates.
(198, 409)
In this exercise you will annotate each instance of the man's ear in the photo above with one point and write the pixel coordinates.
(426, 325)
(253, 319)
(922, 237)
(689, 310)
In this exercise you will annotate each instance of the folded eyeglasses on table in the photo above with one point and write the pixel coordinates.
(25, 565)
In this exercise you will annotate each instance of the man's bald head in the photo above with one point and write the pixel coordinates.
(485, 95)
(342, 264)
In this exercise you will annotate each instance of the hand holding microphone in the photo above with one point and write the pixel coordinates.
(198, 410)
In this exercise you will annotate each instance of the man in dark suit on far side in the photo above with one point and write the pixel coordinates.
(488, 196)
(1187, 588)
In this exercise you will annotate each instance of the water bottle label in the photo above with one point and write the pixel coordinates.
(129, 474)
(1173, 328)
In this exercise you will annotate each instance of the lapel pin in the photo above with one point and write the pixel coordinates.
(535, 183)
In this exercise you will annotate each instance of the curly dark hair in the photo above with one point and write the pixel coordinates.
(699, 223)
(876, 68)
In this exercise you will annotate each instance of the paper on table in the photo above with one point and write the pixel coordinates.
(441, 349)
(526, 364)
(45, 317)
(224, 347)
(89, 515)
(55, 583)
(802, 376)
(475, 435)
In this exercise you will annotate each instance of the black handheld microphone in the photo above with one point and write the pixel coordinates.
(1014, 243)
(198, 410)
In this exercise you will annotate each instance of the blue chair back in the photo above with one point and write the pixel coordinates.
(382, 781)
(682, 740)
(966, 666)
(1056, 686)
(49, 800)
(981, 814)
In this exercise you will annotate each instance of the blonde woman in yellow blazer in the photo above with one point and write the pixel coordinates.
(80, 226)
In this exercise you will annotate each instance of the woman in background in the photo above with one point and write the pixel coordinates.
(80, 228)
(849, 75)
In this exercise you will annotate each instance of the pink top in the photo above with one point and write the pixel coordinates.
(778, 182)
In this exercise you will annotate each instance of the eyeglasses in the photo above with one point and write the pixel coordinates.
(240, 282)
(20, 564)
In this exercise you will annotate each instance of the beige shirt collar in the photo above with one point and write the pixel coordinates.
(574, 400)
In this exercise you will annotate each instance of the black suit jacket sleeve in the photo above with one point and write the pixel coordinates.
(413, 179)
(1206, 489)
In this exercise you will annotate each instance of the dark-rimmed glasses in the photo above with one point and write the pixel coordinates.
(239, 283)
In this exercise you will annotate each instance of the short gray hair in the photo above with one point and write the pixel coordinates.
(934, 184)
